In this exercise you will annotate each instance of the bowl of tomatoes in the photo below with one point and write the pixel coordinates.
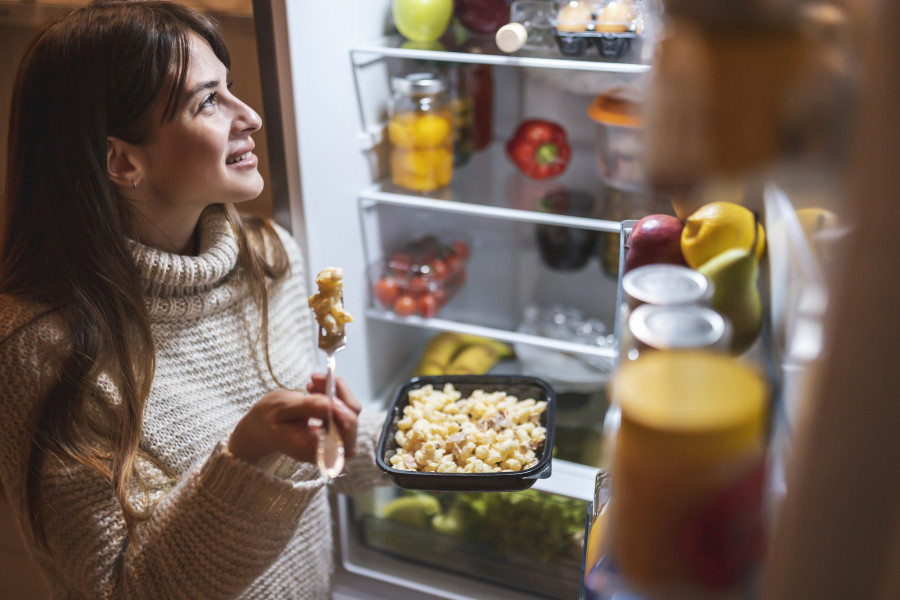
(419, 277)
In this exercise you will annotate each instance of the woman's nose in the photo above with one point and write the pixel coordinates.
(247, 119)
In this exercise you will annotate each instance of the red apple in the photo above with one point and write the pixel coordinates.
(483, 17)
(654, 239)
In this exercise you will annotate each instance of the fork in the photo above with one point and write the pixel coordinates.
(330, 447)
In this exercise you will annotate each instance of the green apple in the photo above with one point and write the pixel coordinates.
(422, 20)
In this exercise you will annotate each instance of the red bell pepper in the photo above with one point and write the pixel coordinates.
(539, 149)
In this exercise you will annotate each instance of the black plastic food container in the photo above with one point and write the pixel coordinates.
(520, 386)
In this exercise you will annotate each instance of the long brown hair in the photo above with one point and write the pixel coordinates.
(100, 71)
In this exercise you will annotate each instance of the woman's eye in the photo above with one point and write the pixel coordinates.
(209, 100)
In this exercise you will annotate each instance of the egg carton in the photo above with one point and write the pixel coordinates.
(610, 26)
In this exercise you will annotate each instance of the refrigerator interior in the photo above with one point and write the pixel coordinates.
(355, 218)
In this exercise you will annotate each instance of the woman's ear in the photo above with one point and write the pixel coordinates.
(122, 165)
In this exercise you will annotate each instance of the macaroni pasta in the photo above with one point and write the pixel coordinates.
(484, 433)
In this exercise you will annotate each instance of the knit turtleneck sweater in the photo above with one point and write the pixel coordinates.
(223, 528)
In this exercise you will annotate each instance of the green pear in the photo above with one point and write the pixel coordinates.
(733, 274)
(417, 510)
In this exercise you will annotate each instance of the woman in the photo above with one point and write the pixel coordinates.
(150, 338)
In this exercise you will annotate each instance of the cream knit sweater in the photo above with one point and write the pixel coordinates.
(224, 529)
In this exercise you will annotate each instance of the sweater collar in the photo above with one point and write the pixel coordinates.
(167, 275)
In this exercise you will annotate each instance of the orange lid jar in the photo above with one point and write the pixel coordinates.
(619, 142)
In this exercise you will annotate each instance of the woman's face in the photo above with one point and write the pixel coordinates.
(204, 154)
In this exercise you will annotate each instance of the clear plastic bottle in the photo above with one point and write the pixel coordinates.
(420, 130)
(530, 26)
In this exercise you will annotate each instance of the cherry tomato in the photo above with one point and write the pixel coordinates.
(439, 269)
(417, 285)
(405, 305)
(454, 263)
(428, 305)
(461, 249)
(440, 296)
(401, 262)
(387, 291)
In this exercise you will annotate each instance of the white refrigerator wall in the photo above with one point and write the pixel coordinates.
(333, 168)
(338, 127)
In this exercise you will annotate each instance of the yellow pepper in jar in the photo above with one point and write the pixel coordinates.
(420, 130)
(421, 150)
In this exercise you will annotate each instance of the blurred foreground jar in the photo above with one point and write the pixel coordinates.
(420, 130)
(687, 478)
(741, 87)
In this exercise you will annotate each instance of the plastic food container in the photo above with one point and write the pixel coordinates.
(521, 386)
(421, 276)
(619, 142)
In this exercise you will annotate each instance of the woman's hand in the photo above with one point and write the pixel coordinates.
(279, 423)
(346, 409)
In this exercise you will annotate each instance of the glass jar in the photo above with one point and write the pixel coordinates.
(688, 473)
(420, 130)
(462, 107)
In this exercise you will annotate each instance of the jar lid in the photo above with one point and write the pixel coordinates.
(692, 392)
(665, 284)
(613, 111)
(678, 327)
(413, 84)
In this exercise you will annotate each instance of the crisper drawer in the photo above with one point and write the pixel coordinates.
(529, 541)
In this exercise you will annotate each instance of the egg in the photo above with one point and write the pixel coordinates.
(616, 17)
(574, 16)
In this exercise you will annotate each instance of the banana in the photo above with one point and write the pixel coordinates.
(450, 353)
(438, 353)
(474, 359)
(503, 349)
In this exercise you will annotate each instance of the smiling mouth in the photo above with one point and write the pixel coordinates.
(244, 156)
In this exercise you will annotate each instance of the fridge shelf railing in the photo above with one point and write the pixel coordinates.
(490, 186)
(384, 194)
(485, 51)
(504, 335)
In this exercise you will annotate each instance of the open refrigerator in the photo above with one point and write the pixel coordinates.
(333, 70)
(327, 92)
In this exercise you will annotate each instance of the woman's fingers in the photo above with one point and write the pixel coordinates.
(347, 423)
(301, 407)
(316, 385)
(346, 396)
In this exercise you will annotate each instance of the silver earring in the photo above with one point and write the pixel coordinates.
(133, 184)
